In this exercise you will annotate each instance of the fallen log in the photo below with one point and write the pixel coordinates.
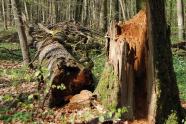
(175, 45)
(64, 70)
(180, 45)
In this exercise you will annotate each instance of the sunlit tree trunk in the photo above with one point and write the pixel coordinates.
(21, 31)
(86, 14)
(123, 10)
(26, 10)
(69, 10)
(180, 20)
(4, 15)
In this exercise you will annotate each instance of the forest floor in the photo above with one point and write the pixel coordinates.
(16, 79)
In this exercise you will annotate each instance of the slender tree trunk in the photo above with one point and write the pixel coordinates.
(78, 13)
(103, 16)
(69, 8)
(96, 13)
(21, 31)
(9, 18)
(43, 11)
(85, 22)
(4, 15)
(115, 10)
(26, 10)
(123, 10)
(180, 20)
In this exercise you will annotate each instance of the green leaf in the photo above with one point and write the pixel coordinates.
(31, 105)
(110, 114)
(53, 86)
(30, 96)
(46, 91)
(119, 110)
(101, 118)
(72, 120)
(37, 73)
(1, 98)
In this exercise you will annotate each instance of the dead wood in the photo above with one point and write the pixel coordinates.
(64, 69)
(45, 29)
(68, 41)
(3, 85)
(15, 101)
(180, 54)
(180, 45)
(175, 45)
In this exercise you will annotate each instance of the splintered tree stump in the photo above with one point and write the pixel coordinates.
(64, 70)
(125, 73)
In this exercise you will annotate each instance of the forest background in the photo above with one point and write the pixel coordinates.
(93, 14)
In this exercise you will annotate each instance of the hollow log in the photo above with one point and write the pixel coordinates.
(64, 70)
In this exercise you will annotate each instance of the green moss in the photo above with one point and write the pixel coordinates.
(172, 118)
(108, 88)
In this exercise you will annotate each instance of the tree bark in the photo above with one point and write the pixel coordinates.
(21, 31)
(148, 78)
(163, 95)
(103, 16)
(181, 32)
(78, 13)
(123, 10)
(9, 17)
(64, 69)
(4, 15)
(96, 14)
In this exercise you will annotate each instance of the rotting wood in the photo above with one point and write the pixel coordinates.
(126, 67)
(15, 101)
(64, 69)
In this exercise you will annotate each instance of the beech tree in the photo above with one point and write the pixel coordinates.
(21, 31)
(103, 16)
(181, 32)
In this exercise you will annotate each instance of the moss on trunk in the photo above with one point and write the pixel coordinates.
(108, 88)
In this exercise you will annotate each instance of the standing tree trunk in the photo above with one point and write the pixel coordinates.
(103, 16)
(116, 9)
(21, 31)
(123, 10)
(78, 12)
(26, 10)
(163, 97)
(4, 15)
(181, 31)
(9, 12)
(85, 21)
(96, 13)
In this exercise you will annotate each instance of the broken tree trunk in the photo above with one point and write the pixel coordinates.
(64, 70)
(123, 81)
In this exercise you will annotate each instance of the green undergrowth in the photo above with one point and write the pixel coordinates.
(180, 72)
(11, 52)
